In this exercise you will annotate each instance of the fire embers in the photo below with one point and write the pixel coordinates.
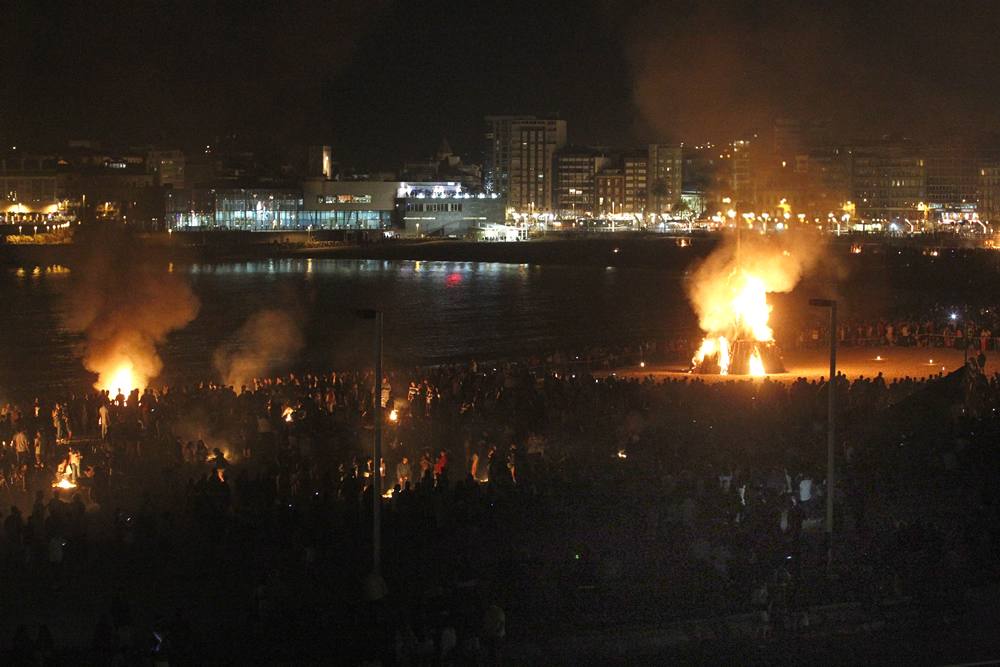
(718, 356)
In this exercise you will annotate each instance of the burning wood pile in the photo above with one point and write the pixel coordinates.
(729, 293)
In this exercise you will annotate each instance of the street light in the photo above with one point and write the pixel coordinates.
(373, 314)
(830, 424)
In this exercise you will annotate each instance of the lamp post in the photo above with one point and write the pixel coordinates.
(830, 424)
(372, 314)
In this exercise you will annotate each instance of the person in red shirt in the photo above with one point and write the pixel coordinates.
(441, 465)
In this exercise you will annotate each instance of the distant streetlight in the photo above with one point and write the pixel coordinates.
(830, 423)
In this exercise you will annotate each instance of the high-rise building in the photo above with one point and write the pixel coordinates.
(576, 171)
(635, 185)
(519, 159)
(496, 157)
(664, 177)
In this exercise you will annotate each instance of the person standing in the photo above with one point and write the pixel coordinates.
(403, 472)
(21, 447)
(103, 416)
(37, 448)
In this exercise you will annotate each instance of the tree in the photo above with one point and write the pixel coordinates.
(659, 190)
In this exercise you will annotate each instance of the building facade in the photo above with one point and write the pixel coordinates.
(167, 167)
(610, 191)
(952, 174)
(664, 178)
(497, 153)
(576, 172)
(434, 208)
(888, 182)
(988, 194)
(635, 185)
(445, 209)
(520, 160)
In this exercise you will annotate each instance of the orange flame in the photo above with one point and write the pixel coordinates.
(122, 377)
(743, 314)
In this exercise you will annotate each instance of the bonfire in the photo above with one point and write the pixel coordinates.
(740, 341)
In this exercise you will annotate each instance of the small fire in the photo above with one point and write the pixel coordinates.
(393, 415)
(288, 414)
(64, 484)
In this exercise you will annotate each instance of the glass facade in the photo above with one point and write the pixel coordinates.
(263, 210)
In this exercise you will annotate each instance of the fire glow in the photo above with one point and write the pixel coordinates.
(729, 292)
(748, 316)
(119, 378)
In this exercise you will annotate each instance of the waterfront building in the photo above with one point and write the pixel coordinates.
(576, 172)
(664, 178)
(635, 185)
(610, 191)
(520, 160)
(418, 209)
(446, 209)
(888, 182)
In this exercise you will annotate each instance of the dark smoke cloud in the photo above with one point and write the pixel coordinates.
(125, 304)
(717, 70)
(268, 340)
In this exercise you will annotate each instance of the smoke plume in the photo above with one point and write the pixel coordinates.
(720, 70)
(125, 305)
(266, 341)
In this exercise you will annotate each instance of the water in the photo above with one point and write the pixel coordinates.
(434, 312)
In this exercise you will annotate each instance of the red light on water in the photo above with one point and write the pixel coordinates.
(453, 279)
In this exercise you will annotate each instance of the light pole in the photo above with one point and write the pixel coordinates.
(372, 314)
(830, 424)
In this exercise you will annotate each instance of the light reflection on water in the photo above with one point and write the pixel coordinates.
(434, 311)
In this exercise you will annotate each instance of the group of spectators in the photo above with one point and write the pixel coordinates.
(531, 493)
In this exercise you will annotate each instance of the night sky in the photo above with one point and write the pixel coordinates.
(384, 81)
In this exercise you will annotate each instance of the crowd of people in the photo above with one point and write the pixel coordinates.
(947, 327)
(527, 492)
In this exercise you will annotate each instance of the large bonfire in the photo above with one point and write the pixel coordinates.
(729, 293)
(744, 345)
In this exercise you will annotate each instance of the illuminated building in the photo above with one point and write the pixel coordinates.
(496, 168)
(635, 186)
(433, 208)
(575, 179)
(31, 189)
(610, 189)
(445, 209)
(888, 181)
(247, 209)
(520, 160)
(366, 204)
(664, 177)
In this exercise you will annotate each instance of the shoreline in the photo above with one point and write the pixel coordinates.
(649, 251)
